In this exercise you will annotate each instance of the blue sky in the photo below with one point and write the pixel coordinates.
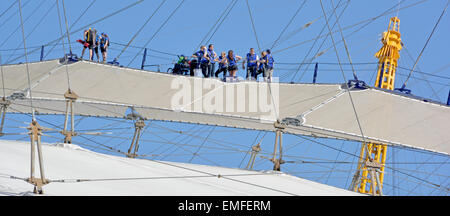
(184, 31)
(192, 21)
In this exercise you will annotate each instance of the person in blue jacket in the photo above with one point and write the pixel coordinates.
(95, 46)
(222, 65)
(268, 66)
(261, 66)
(104, 44)
(252, 64)
(202, 60)
(232, 63)
(212, 60)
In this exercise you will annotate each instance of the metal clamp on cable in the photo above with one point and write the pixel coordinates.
(292, 121)
(69, 59)
(114, 62)
(16, 96)
(357, 84)
(373, 164)
(403, 90)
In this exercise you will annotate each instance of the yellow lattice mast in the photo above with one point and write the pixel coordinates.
(388, 55)
(370, 174)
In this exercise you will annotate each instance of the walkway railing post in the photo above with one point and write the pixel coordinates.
(143, 59)
(42, 53)
(315, 72)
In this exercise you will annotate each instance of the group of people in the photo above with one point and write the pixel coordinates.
(93, 41)
(206, 58)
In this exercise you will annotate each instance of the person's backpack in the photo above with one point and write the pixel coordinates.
(88, 36)
(105, 39)
(94, 35)
(91, 35)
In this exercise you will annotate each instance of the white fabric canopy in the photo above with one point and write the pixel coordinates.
(321, 110)
(140, 177)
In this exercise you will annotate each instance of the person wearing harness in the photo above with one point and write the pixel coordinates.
(222, 65)
(193, 64)
(95, 46)
(202, 61)
(268, 66)
(212, 60)
(104, 44)
(181, 66)
(261, 65)
(90, 39)
(232, 63)
(252, 64)
(85, 44)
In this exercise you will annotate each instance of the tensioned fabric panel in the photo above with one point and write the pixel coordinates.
(322, 110)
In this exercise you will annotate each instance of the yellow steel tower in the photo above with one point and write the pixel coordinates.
(388, 55)
(373, 155)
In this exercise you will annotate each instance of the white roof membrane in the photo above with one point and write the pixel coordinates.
(119, 176)
(321, 110)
